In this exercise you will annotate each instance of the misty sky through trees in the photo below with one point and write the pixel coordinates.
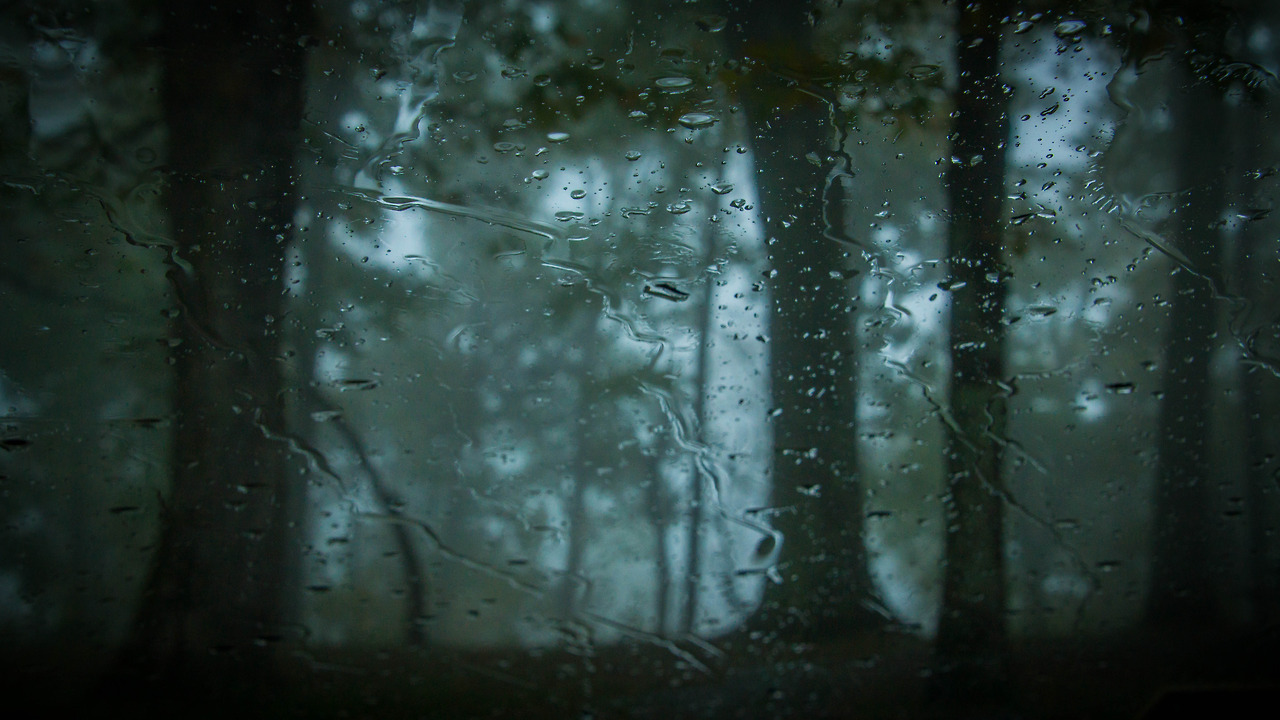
(687, 358)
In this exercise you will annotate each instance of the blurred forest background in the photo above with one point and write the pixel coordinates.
(683, 358)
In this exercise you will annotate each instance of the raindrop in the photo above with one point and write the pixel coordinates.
(557, 137)
(1024, 26)
(1041, 311)
(1069, 29)
(578, 194)
(722, 188)
(346, 384)
(463, 76)
(666, 291)
(1121, 388)
(569, 215)
(595, 62)
(505, 146)
(676, 83)
(920, 72)
(542, 80)
(711, 23)
(679, 208)
(632, 155)
(697, 120)
(539, 174)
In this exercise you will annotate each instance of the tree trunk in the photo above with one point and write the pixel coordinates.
(218, 595)
(1182, 589)
(971, 629)
(813, 375)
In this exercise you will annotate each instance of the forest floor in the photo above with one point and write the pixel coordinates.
(881, 675)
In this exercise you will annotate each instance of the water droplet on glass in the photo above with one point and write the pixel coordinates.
(1068, 29)
(679, 208)
(539, 174)
(1121, 388)
(557, 137)
(578, 194)
(697, 120)
(463, 76)
(674, 84)
(920, 72)
(632, 155)
(711, 23)
(1023, 27)
(595, 62)
(569, 215)
(666, 291)
(505, 146)
(1041, 311)
(722, 188)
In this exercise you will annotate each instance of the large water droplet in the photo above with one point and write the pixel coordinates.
(675, 83)
(711, 23)
(697, 120)
(557, 137)
(1069, 29)
(920, 72)
(632, 155)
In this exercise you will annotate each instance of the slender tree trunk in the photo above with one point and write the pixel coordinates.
(1257, 385)
(971, 629)
(823, 558)
(218, 597)
(1182, 589)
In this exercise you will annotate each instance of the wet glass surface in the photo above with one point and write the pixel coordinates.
(684, 359)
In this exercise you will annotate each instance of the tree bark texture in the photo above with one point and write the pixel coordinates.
(218, 597)
(813, 372)
(971, 628)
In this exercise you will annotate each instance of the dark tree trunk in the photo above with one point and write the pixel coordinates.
(1182, 586)
(813, 373)
(218, 597)
(971, 629)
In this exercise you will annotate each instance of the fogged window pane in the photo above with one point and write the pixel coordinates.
(636, 359)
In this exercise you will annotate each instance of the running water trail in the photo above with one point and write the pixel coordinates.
(430, 33)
